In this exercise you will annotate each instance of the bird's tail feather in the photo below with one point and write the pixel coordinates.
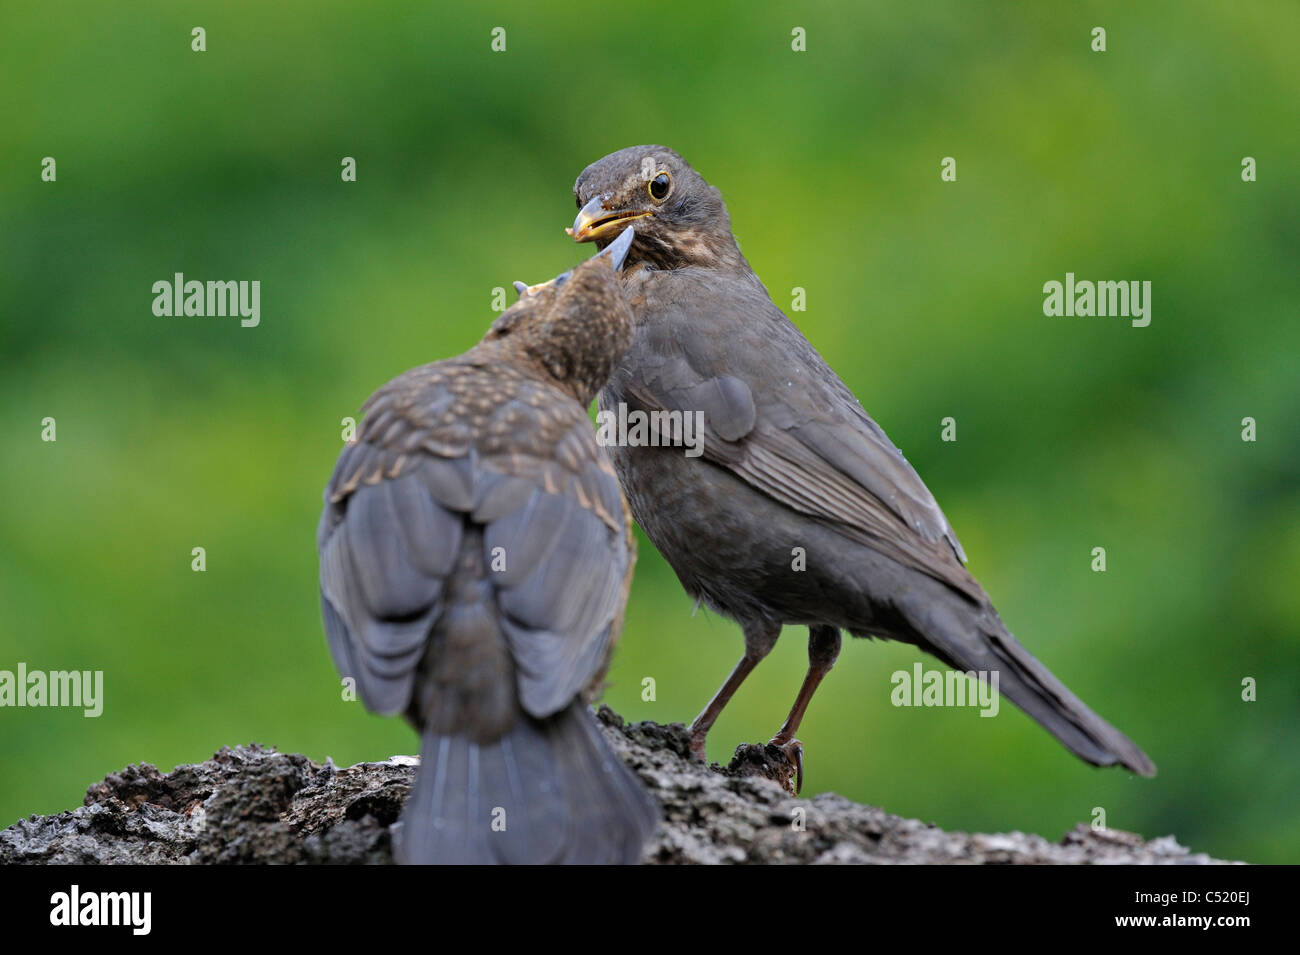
(969, 638)
(549, 791)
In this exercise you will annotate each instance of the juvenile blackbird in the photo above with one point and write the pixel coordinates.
(475, 556)
(790, 460)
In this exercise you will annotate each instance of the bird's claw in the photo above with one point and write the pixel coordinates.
(792, 749)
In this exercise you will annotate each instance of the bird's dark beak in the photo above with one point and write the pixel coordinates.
(523, 289)
(594, 222)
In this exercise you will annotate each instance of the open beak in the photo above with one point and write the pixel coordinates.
(616, 252)
(594, 222)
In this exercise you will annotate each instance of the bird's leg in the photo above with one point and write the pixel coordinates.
(760, 638)
(823, 650)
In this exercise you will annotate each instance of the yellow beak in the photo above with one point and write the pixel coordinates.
(594, 222)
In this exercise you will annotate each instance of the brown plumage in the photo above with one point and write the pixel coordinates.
(475, 557)
(791, 460)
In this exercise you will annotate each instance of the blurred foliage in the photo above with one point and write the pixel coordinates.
(925, 296)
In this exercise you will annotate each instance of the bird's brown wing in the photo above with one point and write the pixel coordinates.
(445, 449)
(778, 417)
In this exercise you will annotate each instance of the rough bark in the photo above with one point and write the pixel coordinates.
(252, 804)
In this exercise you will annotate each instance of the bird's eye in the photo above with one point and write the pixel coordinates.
(659, 187)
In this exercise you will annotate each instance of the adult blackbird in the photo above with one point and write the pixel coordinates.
(790, 460)
(475, 556)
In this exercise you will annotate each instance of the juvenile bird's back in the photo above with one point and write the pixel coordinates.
(475, 560)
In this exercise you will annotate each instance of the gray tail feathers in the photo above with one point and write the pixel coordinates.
(549, 791)
(969, 638)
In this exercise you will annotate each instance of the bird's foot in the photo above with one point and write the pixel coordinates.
(781, 762)
(792, 749)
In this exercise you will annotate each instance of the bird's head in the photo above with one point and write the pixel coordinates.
(577, 326)
(680, 219)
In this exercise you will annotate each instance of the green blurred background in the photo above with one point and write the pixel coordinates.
(925, 296)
